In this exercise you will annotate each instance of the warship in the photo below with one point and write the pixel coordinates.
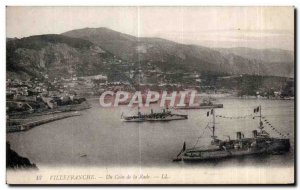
(260, 143)
(206, 104)
(165, 115)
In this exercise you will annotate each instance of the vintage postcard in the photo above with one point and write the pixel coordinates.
(150, 95)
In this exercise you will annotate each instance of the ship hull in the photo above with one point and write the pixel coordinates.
(273, 146)
(200, 107)
(168, 118)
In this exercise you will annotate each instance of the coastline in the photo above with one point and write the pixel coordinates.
(24, 122)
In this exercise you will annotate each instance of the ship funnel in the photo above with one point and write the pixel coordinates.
(254, 132)
(238, 135)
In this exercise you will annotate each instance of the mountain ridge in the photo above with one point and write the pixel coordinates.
(266, 55)
(194, 56)
(52, 54)
(90, 48)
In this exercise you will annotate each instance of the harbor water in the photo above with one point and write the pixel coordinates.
(100, 138)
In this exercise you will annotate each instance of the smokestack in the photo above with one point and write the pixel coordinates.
(254, 132)
(238, 135)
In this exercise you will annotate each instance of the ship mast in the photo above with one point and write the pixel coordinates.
(258, 109)
(260, 122)
(139, 113)
(214, 124)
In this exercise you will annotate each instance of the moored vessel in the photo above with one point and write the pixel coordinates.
(260, 143)
(165, 115)
(206, 104)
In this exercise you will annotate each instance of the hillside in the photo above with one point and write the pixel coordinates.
(277, 61)
(55, 55)
(266, 55)
(170, 55)
(89, 51)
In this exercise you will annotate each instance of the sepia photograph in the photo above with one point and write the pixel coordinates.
(150, 95)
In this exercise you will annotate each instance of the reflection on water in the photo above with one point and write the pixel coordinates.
(105, 140)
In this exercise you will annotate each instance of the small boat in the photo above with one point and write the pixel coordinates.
(165, 115)
(260, 143)
(82, 155)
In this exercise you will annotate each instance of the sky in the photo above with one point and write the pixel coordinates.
(254, 27)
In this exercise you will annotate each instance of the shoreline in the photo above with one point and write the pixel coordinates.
(30, 125)
(26, 121)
